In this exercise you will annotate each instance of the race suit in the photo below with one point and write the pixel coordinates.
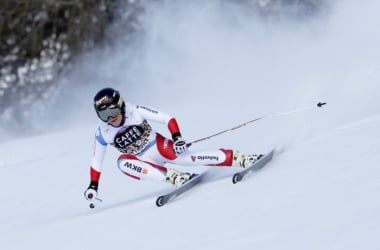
(144, 151)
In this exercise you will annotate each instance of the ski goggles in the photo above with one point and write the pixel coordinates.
(107, 113)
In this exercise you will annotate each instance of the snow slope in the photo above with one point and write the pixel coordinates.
(321, 192)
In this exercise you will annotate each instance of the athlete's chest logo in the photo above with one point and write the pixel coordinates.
(130, 135)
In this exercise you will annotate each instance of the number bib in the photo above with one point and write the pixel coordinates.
(133, 139)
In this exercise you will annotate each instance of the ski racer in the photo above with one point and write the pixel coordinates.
(145, 151)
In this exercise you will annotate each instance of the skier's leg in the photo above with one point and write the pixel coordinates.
(141, 170)
(145, 170)
(217, 157)
(220, 157)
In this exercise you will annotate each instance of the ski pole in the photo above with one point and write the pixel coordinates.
(320, 104)
(95, 202)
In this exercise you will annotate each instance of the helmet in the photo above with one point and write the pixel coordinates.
(108, 103)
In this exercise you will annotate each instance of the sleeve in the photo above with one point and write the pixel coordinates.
(174, 129)
(161, 117)
(100, 146)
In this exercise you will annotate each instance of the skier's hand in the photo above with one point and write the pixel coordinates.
(179, 146)
(92, 191)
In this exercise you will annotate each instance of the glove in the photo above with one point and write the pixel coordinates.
(92, 191)
(179, 145)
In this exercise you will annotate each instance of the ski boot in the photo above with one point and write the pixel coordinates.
(244, 160)
(177, 178)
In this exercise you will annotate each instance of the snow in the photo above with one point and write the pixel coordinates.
(320, 192)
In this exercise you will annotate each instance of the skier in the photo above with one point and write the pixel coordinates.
(144, 151)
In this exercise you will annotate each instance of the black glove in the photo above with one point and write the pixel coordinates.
(92, 191)
(179, 144)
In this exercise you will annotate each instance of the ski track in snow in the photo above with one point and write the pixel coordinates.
(216, 193)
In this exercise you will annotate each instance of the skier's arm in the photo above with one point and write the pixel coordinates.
(179, 144)
(148, 113)
(100, 147)
(160, 117)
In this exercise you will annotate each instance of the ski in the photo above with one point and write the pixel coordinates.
(163, 199)
(260, 163)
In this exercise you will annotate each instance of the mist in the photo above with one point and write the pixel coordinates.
(213, 66)
(191, 55)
